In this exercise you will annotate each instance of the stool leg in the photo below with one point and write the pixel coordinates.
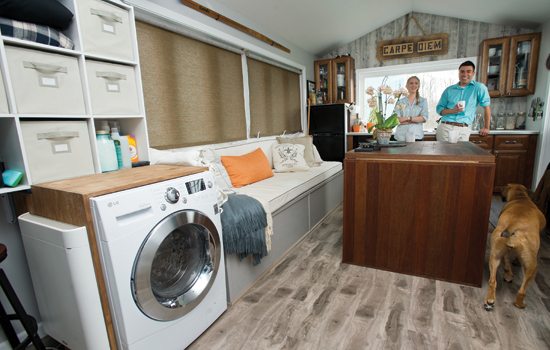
(27, 321)
(7, 327)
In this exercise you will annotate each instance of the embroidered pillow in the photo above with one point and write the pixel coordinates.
(288, 157)
(307, 141)
(248, 168)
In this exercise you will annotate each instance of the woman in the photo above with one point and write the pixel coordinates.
(415, 113)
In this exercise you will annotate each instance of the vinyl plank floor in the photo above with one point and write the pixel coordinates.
(311, 300)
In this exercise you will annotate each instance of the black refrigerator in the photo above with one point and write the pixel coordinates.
(328, 125)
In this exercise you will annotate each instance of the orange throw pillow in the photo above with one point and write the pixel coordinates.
(248, 168)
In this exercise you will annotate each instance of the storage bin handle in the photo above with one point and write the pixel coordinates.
(43, 66)
(57, 134)
(112, 75)
(106, 14)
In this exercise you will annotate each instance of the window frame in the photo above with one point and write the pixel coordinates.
(409, 69)
(151, 13)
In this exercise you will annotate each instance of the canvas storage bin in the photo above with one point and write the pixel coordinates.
(57, 150)
(112, 88)
(45, 83)
(105, 29)
(3, 98)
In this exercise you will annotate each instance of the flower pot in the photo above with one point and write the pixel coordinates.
(356, 128)
(383, 136)
(369, 125)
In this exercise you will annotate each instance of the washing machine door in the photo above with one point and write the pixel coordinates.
(176, 265)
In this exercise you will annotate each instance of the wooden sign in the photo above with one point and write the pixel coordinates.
(413, 47)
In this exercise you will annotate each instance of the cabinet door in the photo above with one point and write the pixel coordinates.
(323, 79)
(522, 68)
(510, 168)
(494, 65)
(343, 69)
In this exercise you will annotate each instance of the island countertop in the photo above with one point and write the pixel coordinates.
(429, 151)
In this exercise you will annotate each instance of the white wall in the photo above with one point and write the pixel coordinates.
(542, 90)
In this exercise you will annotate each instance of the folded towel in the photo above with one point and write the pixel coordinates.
(243, 227)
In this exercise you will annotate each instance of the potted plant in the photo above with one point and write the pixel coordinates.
(379, 101)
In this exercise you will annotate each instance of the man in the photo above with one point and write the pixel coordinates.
(455, 117)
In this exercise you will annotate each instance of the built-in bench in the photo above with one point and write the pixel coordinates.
(298, 201)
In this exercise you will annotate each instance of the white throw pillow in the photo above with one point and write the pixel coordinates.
(221, 176)
(307, 141)
(318, 158)
(289, 157)
(189, 158)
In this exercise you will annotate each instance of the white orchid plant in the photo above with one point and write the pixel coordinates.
(379, 101)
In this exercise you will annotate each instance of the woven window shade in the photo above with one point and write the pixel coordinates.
(274, 99)
(193, 91)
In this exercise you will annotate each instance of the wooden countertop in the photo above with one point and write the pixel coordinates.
(120, 180)
(438, 151)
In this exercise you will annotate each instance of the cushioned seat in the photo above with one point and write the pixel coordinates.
(284, 187)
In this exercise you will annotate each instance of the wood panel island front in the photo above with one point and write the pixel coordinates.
(422, 209)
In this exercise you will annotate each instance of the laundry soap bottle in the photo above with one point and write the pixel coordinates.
(125, 160)
(107, 152)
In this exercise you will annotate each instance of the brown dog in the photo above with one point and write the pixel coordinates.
(518, 229)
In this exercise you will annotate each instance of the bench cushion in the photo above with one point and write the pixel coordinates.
(284, 187)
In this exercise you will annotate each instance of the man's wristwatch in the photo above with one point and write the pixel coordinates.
(410, 119)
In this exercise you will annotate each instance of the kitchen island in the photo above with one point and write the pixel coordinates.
(422, 209)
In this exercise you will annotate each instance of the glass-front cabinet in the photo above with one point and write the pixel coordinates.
(334, 78)
(508, 65)
(323, 79)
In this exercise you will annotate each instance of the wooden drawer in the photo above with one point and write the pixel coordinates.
(485, 142)
(511, 142)
(429, 138)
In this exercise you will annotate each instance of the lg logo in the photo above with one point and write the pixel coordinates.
(110, 204)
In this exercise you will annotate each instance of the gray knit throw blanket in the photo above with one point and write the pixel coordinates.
(243, 227)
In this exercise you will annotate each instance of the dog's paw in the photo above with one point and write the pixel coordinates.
(520, 304)
(489, 306)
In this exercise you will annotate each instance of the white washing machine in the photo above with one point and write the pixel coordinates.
(162, 258)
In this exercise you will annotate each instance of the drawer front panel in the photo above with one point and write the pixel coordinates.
(485, 142)
(512, 142)
(45, 83)
(105, 29)
(112, 88)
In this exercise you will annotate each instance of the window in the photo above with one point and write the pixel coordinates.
(274, 99)
(434, 76)
(193, 91)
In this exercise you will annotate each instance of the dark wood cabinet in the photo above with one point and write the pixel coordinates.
(508, 65)
(515, 157)
(335, 79)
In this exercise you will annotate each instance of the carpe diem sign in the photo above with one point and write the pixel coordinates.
(414, 46)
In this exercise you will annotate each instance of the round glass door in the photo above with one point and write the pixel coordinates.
(176, 265)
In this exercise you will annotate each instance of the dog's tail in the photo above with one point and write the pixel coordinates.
(512, 238)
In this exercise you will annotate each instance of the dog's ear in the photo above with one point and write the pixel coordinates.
(504, 192)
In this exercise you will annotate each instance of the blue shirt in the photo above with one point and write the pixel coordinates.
(413, 110)
(474, 94)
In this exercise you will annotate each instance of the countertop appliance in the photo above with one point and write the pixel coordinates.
(162, 261)
(328, 125)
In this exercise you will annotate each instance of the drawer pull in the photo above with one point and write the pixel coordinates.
(44, 67)
(110, 75)
(57, 135)
(107, 15)
(513, 142)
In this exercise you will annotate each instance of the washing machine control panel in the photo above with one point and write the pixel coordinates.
(171, 195)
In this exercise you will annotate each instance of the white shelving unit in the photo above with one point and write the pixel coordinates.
(12, 149)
